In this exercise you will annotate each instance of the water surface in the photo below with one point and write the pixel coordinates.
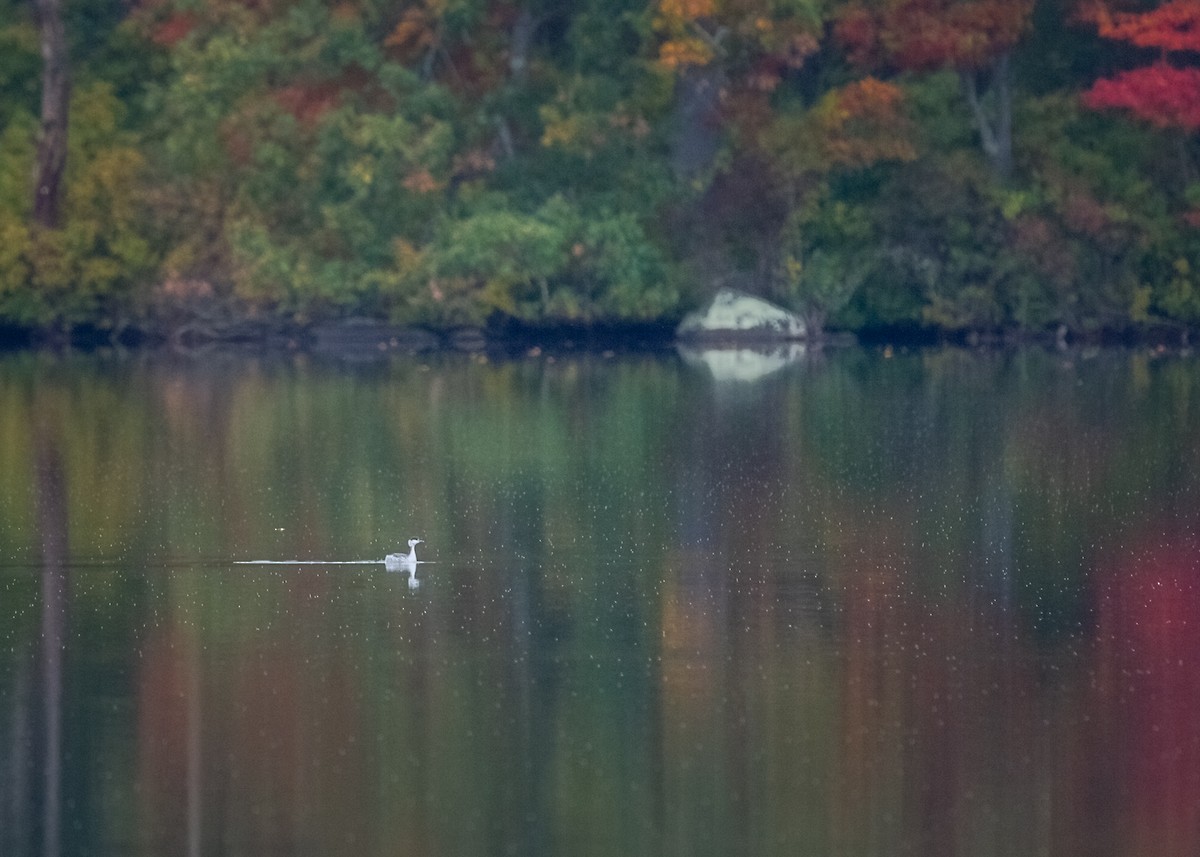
(937, 603)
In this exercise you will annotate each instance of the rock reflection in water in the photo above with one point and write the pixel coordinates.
(743, 364)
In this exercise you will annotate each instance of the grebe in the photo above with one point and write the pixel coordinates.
(403, 562)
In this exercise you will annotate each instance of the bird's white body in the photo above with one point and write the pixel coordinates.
(403, 562)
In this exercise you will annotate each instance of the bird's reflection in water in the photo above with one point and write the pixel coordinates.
(405, 562)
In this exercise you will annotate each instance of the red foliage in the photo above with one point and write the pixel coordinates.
(1085, 215)
(857, 29)
(1174, 26)
(1163, 95)
(923, 35)
(308, 103)
(174, 29)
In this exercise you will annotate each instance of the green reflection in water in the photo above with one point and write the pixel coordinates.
(936, 603)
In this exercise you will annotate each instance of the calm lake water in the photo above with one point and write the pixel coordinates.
(937, 603)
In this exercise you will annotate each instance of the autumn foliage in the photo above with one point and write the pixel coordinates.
(1174, 26)
(444, 162)
(864, 123)
(1165, 95)
(762, 46)
(924, 35)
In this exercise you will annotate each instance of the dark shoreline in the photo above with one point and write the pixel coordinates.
(363, 338)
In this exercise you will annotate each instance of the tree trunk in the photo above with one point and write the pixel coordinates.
(521, 42)
(992, 112)
(520, 45)
(697, 134)
(52, 138)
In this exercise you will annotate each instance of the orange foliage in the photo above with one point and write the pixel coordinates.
(682, 52)
(414, 34)
(687, 10)
(472, 164)
(924, 35)
(1174, 26)
(1163, 95)
(864, 123)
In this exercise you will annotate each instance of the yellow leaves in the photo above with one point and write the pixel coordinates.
(560, 130)
(766, 41)
(1181, 292)
(415, 33)
(686, 10)
(684, 51)
(104, 188)
(363, 171)
(411, 265)
(571, 127)
(793, 270)
(576, 131)
(14, 245)
(100, 249)
(687, 42)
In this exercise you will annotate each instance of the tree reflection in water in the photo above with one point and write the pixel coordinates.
(936, 604)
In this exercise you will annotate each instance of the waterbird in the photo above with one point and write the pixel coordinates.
(403, 562)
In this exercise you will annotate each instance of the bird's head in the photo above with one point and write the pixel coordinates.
(415, 542)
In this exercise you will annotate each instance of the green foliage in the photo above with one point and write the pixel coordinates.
(556, 264)
(84, 272)
(826, 256)
(19, 63)
(316, 159)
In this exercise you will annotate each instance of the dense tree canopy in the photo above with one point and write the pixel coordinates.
(952, 163)
(1165, 95)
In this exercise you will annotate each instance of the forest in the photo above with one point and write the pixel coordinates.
(959, 166)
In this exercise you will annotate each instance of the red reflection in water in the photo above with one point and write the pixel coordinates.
(1148, 650)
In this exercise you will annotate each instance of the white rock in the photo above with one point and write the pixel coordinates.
(734, 315)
